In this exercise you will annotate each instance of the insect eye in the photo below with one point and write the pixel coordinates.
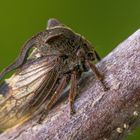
(90, 56)
(80, 53)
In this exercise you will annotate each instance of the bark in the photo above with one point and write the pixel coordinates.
(100, 115)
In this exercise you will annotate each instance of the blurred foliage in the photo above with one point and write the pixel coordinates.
(104, 23)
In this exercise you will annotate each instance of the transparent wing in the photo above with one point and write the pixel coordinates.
(26, 90)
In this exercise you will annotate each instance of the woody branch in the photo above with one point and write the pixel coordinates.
(100, 115)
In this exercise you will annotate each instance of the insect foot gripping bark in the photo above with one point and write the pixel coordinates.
(59, 55)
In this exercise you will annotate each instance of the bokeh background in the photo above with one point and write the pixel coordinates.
(105, 23)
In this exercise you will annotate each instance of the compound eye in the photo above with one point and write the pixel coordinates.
(80, 53)
(90, 56)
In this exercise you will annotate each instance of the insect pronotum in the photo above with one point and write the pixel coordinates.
(64, 56)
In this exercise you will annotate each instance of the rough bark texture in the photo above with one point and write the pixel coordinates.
(100, 115)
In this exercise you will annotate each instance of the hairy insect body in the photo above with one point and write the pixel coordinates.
(64, 55)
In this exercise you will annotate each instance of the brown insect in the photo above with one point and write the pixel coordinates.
(64, 56)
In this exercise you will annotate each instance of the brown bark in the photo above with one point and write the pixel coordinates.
(100, 115)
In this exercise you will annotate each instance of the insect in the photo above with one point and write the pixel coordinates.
(64, 56)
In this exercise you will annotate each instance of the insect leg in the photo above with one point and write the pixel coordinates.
(95, 70)
(73, 91)
(53, 98)
(98, 75)
(21, 59)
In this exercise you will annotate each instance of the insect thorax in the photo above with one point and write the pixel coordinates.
(65, 46)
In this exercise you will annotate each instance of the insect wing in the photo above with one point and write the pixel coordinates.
(22, 89)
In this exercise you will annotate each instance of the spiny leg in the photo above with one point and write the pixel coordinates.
(73, 92)
(98, 75)
(53, 99)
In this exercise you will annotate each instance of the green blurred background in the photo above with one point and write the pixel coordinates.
(104, 23)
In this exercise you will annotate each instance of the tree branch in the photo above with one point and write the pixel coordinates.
(100, 115)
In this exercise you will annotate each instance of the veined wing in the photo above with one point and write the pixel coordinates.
(27, 84)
